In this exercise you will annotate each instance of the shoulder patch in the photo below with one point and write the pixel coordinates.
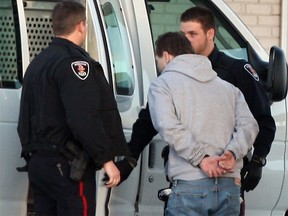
(251, 71)
(80, 69)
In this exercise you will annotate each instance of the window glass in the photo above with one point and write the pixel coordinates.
(10, 52)
(165, 16)
(121, 52)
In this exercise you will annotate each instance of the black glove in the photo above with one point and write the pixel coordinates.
(165, 154)
(27, 157)
(125, 167)
(251, 175)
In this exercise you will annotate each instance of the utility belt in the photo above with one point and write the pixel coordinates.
(72, 150)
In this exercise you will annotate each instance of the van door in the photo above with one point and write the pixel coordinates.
(13, 185)
(126, 88)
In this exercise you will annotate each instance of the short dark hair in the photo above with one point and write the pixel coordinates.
(66, 15)
(199, 14)
(174, 43)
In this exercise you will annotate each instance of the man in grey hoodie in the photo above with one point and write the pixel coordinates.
(207, 125)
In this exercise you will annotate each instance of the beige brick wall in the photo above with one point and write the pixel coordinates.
(262, 17)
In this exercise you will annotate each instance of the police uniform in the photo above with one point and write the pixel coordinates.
(242, 75)
(143, 132)
(65, 96)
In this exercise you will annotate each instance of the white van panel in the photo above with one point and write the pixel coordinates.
(138, 194)
(14, 185)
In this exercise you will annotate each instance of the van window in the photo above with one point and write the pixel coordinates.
(39, 26)
(165, 16)
(120, 48)
(10, 49)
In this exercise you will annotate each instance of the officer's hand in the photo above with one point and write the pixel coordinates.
(250, 176)
(113, 174)
(125, 167)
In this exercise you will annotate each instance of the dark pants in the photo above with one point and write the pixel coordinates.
(55, 193)
(242, 205)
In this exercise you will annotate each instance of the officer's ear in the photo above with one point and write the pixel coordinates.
(211, 34)
(82, 26)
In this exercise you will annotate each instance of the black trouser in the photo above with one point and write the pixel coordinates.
(54, 192)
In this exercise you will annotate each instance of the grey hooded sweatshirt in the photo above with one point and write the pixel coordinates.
(199, 114)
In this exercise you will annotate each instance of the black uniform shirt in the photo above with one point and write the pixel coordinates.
(65, 94)
(242, 75)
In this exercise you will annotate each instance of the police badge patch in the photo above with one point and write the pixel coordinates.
(81, 69)
(251, 71)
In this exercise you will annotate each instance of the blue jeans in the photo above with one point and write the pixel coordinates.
(209, 196)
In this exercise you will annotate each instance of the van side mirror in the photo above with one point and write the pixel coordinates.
(277, 75)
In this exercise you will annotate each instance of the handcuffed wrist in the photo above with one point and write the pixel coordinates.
(205, 156)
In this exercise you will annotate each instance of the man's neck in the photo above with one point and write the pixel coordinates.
(209, 49)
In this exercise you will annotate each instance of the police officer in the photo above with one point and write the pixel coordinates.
(198, 25)
(66, 99)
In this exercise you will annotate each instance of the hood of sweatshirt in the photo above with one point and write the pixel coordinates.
(195, 66)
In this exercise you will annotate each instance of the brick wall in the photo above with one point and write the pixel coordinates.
(262, 17)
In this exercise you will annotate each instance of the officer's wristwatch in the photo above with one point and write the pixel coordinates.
(260, 160)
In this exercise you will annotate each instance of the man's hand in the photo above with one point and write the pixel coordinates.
(125, 167)
(251, 175)
(227, 161)
(209, 165)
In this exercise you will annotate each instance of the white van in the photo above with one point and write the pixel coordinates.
(121, 37)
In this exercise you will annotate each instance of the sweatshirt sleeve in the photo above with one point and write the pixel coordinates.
(246, 127)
